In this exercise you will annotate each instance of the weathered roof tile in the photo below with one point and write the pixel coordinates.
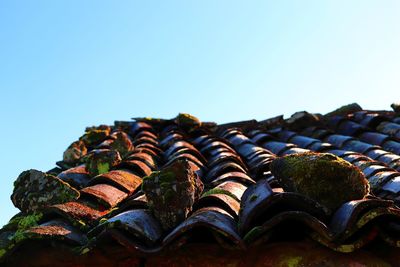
(242, 205)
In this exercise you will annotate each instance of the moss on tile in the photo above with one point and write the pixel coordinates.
(34, 190)
(214, 191)
(2, 252)
(103, 167)
(325, 178)
(254, 233)
(94, 135)
(253, 197)
(101, 161)
(26, 222)
(161, 177)
(187, 121)
(292, 261)
(17, 227)
(171, 192)
(84, 251)
(74, 152)
(122, 143)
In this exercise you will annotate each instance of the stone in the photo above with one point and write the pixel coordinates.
(74, 152)
(323, 177)
(94, 135)
(346, 109)
(301, 120)
(187, 121)
(102, 127)
(34, 190)
(395, 107)
(171, 192)
(101, 161)
(122, 143)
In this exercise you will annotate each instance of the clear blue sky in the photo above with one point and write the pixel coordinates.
(69, 64)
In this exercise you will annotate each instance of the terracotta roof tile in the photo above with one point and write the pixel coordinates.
(242, 204)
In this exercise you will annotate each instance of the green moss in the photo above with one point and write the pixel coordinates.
(366, 218)
(24, 223)
(166, 180)
(149, 178)
(102, 160)
(103, 167)
(84, 251)
(291, 261)
(167, 177)
(219, 191)
(74, 152)
(2, 252)
(94, 136)
(18, 236)
(169, 194)
(66, 194)
(187, 118)
(81, 223)
(20, 224)
(187, 121)
(325, 178)
(252, 234)
(13, 223)
(253, 197)
(35, 189)
(103, 220)
(122, 143)
(346, 248)
(29, 221)
(165, 185)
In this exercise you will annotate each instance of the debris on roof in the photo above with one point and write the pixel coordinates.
(346, 109)
(395, 107)
(34, 190)
(318, 175)
(171, 192)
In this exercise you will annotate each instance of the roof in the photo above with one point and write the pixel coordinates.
(95, 193)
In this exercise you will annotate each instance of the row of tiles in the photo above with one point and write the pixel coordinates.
(219, 165)
(99, 195)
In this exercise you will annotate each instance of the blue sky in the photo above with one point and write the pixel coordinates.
(65, 65)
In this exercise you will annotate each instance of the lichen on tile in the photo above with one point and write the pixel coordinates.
(94, 135)
(34, 190)
(74, 152)
(101, 161)
(122, 143)
(172, 192)
(323, 177)
(187, 121)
